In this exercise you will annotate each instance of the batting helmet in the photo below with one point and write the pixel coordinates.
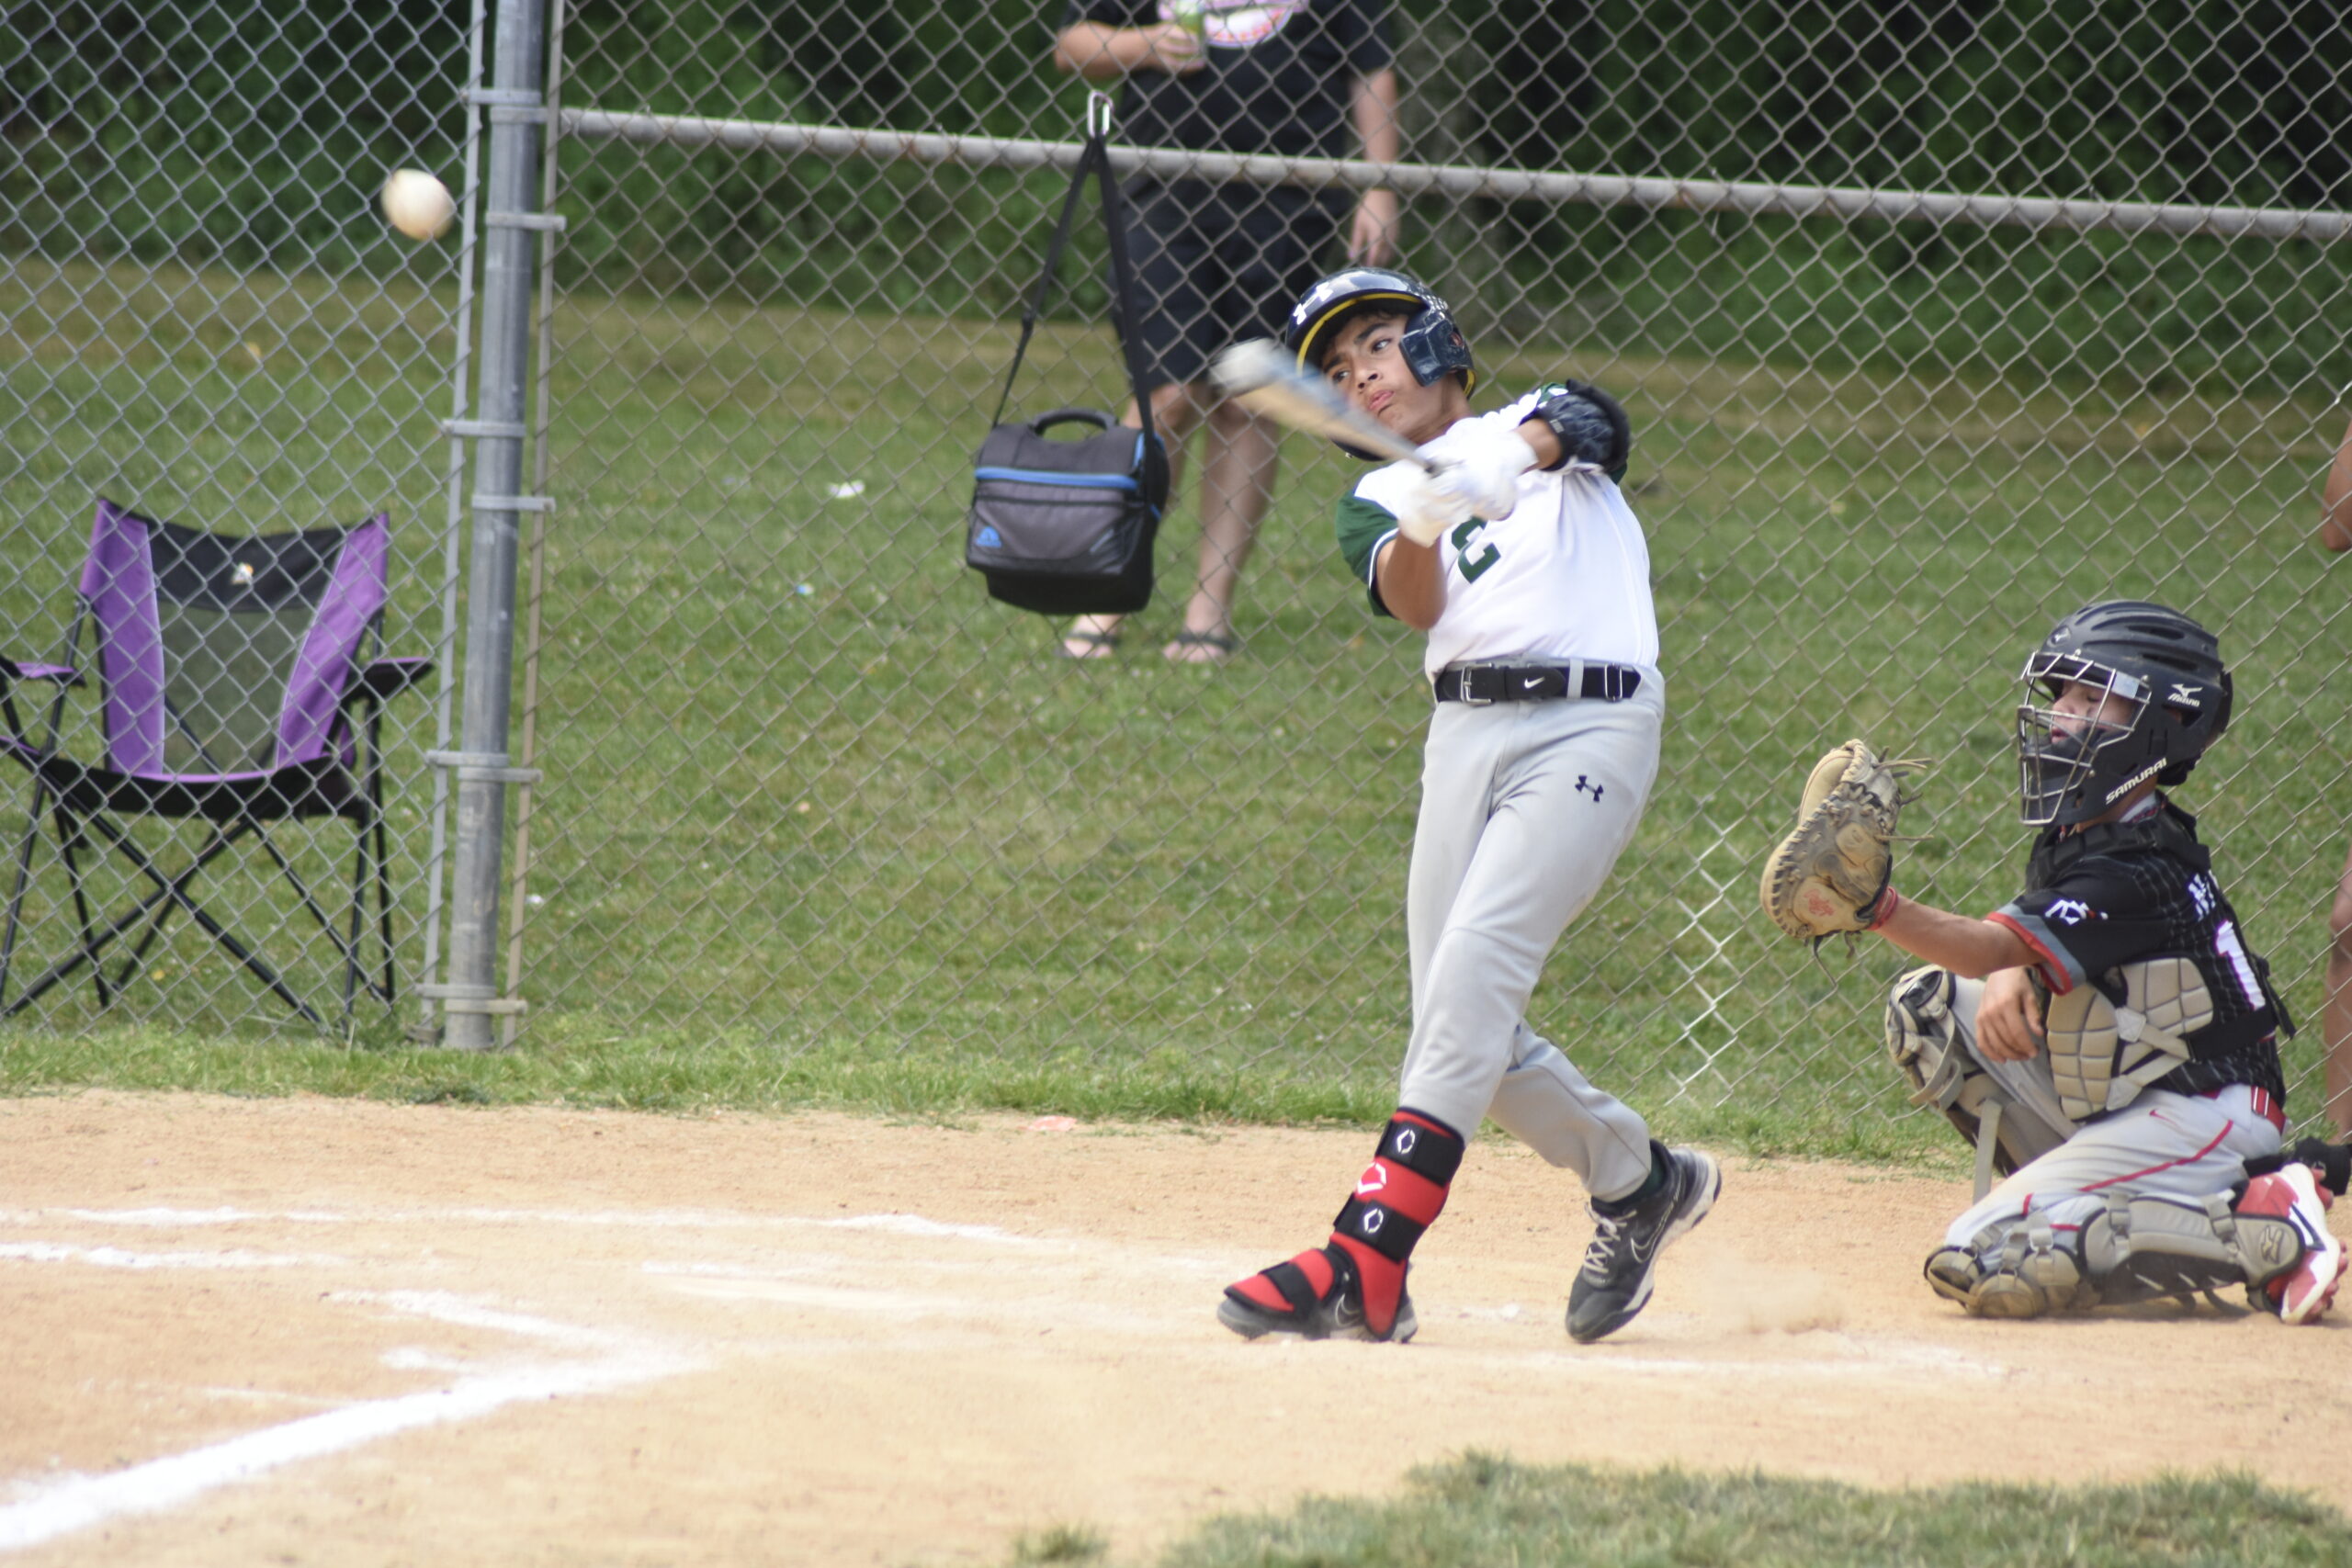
(1432, 344)
(2166, 667)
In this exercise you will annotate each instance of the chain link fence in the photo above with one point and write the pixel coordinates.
(1935, 323)
(205, 322)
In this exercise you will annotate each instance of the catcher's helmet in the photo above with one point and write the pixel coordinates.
(2167, 668)
(1432, 344)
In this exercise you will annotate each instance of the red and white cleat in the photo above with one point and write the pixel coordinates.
(2303, 1294)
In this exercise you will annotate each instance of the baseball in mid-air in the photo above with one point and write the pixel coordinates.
(418, 205)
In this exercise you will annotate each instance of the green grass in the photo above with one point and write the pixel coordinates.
(867, 843)
(1485, 1512)
(735, 1071)
(732, 1070)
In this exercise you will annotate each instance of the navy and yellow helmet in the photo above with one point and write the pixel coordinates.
(1431, 342)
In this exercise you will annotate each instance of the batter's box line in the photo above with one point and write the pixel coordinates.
(76, 1503)
(657, 1219)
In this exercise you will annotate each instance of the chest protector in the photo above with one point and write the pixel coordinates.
(2128, 1027)
(2103, 1052)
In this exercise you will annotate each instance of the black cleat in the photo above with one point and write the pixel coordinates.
(1285, 1300)
(1620, 1266)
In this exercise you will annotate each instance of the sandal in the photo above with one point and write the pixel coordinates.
(1199, 647)
(1085, 642)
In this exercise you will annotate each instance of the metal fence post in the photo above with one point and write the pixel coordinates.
(517, 114)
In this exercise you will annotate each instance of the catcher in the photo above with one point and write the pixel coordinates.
(2106, 1040)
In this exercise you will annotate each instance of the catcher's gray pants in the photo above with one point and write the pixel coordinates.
(2163, 1144)
(1525, 807)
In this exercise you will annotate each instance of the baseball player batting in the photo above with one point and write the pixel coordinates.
(1510, 546)
(2108, 1038)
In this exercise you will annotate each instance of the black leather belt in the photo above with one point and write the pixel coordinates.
(1479, 685)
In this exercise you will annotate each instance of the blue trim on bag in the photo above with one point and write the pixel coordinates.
(1042, 477)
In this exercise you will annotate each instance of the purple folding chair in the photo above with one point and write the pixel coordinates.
(232, 670)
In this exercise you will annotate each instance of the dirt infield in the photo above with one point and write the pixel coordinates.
(327, 1331)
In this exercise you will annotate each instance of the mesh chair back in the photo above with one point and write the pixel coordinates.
(229, 657)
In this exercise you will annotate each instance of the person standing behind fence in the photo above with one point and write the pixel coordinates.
(2336, 1017)
(1218, 262)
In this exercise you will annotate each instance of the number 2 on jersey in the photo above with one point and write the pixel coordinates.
(1473, 567)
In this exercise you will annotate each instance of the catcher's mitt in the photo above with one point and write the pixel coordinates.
(1831, 874)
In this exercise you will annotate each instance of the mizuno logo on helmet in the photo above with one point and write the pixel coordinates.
(2186, 696)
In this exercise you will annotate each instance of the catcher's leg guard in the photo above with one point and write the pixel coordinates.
(2024, 1268)
(1952, 1273)
(1355, 1287)
(2149, 1248)
(1923, 1038)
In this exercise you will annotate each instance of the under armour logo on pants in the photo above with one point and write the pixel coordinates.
(1582, 784)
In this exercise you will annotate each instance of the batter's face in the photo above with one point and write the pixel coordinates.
(1366, 363)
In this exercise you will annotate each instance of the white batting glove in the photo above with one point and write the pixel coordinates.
(1426, 509)
(1480, 461)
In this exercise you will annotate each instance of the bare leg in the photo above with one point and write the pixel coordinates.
(1238, 469)
(2336, 1015)
(1176, 409)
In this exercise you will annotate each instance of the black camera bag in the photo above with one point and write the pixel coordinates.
(1066, 527)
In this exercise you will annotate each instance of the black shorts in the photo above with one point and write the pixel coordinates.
(1215, 264)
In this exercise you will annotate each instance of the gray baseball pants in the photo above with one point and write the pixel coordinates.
(1525, 807)
(2162, 1144)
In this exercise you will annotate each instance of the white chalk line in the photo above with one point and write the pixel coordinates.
(636, 1219)
(116, 1257)
(795, 1287)
(160, 1219)
(80, 1502)
(1857, 1356)
(1815, 1354)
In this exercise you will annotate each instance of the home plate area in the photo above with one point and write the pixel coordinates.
(335, 1331)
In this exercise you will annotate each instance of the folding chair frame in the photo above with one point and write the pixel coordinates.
(84, 800)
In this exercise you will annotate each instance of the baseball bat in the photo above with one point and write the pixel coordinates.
(1259, 376)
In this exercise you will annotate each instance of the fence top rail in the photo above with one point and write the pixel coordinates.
(1749, 197)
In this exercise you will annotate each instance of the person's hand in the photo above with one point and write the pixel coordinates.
(1426, 509)
(1479, 462)
(1176, 49)
(2008, 1020)
(1372, 240)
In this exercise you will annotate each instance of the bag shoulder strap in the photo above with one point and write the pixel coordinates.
(1094, 158)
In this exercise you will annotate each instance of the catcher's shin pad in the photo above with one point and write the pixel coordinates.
(2148, 1249)
(2140, 1248)
(2102, 1052)
(1830, 875)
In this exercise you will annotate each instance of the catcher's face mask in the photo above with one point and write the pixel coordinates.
(2081, 748)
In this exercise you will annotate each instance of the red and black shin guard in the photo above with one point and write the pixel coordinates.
(1363, 1268)
(1400, 1195)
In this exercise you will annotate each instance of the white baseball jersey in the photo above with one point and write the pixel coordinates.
(1565, 576)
